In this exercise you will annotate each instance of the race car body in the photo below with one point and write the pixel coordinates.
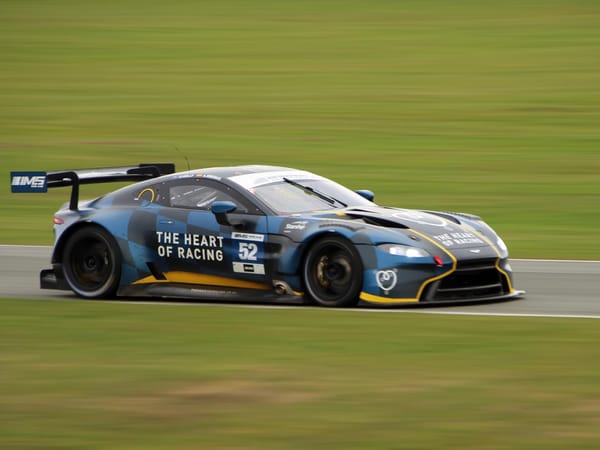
(266, 233)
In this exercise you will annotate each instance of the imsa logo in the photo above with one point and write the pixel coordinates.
(28, 182)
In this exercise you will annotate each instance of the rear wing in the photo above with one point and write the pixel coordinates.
(42, 181)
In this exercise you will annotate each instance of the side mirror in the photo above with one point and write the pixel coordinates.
(221, 209)
(369, 195)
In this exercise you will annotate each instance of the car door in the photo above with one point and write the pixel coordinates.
(190, 239)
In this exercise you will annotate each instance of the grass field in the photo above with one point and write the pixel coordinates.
(489, 108)
(117, 376)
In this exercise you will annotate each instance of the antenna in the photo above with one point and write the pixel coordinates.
(184, 157)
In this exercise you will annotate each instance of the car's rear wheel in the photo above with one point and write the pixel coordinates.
(332, 272)
(92, 263)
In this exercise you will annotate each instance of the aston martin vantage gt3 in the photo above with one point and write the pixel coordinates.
(264, 233)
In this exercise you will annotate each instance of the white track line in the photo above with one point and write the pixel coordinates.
(358, 310)
(493, 314)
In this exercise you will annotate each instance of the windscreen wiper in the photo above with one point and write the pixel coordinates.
(310, 190)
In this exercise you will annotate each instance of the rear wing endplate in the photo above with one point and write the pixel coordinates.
(42, 181)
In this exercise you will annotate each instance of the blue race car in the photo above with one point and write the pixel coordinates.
(263, 233)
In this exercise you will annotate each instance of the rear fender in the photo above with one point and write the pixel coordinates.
(59, 245)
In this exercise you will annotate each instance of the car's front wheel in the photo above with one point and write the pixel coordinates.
(92, 263)
(332, 272)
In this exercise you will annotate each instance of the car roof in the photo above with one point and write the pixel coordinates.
(251, 176)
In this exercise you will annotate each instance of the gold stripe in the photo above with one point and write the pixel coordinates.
(491, 244)
(378, 299)
(484, 238)
(445, 274)
(510, 288)
(437, 244)
(144, 191)
(203, 279)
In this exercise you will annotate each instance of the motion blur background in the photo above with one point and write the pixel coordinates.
(491, 108)
(488, 107)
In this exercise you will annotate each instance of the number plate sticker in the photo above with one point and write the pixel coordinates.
(248, 253)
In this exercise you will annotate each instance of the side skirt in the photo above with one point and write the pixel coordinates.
(187, 291)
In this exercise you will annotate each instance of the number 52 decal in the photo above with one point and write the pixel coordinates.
(248, 251)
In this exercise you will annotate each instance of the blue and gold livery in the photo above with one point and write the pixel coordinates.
(265, 233)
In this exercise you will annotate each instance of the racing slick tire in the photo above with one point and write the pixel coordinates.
(332, 273)
(92, 263)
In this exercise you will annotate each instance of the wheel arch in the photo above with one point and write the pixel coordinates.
(313, 238)
(89, 258)
(312, 245)
(59, 246)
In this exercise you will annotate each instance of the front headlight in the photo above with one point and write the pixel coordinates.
(404, 250)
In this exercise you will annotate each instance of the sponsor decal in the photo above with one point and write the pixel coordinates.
(248, 237)
(248, 253)
(298, 225)
(242, 267)
(22, 182)
(457, 239)
(386, 279)
(190, 246)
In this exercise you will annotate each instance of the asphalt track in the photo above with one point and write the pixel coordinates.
(554, 288)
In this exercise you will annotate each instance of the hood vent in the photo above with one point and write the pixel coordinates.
(377, 221)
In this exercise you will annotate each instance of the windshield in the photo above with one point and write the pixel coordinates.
(289, 198)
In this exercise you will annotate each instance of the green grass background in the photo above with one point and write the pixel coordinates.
(93, 375)
(485, 107)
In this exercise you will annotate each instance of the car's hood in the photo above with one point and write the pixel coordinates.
(452, 231)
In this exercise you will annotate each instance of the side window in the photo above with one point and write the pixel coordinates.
(199, 193)
(196, 196)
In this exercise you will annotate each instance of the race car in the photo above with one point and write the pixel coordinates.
(263, 233)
